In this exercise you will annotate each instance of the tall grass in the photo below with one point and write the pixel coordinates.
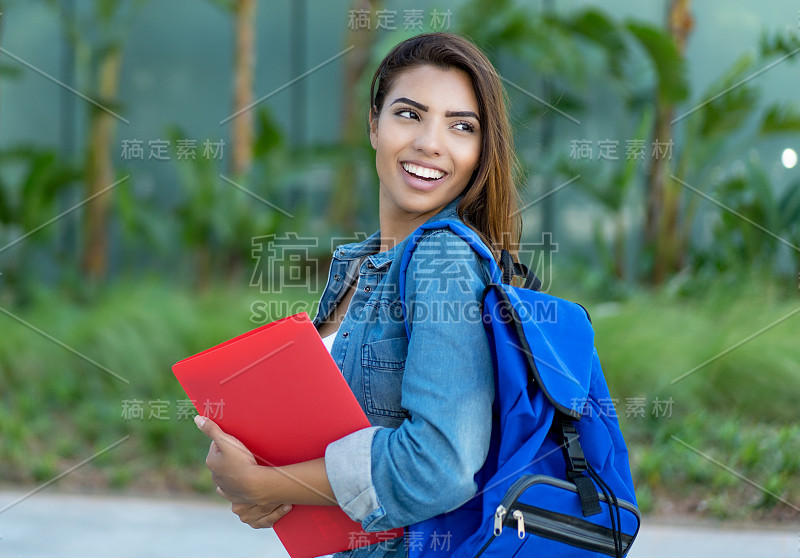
(64, 389)
(734, 349)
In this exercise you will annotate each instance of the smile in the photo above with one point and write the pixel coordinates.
(423, 173)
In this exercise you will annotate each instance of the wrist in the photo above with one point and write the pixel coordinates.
(302, 483)
(261, 479)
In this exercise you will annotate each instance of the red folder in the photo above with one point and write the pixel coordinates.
(277, 389)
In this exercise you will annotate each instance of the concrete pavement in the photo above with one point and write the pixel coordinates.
(707, 540)
(49, 525)
(52, 525)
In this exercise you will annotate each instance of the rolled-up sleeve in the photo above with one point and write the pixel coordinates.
(392, 477)
(349, 466)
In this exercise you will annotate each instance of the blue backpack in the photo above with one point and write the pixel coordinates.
(556, 482)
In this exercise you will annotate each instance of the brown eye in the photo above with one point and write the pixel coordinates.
(406, 113)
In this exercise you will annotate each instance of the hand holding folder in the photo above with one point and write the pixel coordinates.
(285, 399)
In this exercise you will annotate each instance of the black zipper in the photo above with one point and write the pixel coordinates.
(588, 536)
(513, 492)
(509, 504)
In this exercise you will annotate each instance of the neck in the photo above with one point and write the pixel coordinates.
(396, 224)
(394, 230)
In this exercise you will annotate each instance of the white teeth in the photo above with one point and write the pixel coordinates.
(423, 172)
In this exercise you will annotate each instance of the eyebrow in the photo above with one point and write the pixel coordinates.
(424, 108)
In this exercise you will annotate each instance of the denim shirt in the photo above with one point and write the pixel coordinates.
(427, 397)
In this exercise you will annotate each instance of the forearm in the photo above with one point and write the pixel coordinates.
(301, 483)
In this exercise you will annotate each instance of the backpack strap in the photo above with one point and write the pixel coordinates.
(512, 269)
(466, 234)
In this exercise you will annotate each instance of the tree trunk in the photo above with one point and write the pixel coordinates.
(99, 168)
(619, 248)
(664, 197)
(344, 205)
(655, 229)
(244, 65)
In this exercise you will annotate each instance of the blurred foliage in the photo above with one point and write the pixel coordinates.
(587, 56)
(591, 60)
(651, 340)
(613, 67)
(674, 472)
(35, 179)
(749, 198)
(42, 177)
(719, 151)
(717, 155)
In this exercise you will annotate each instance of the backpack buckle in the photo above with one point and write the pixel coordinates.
(576, 466)
(573, 453)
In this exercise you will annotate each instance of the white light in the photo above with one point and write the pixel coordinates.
(789, 158)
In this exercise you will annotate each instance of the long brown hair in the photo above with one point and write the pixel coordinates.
(491, 201)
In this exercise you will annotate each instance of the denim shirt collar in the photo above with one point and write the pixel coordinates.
(371, 246)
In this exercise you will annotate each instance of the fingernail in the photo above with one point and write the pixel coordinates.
(199, 421)
(287, 507)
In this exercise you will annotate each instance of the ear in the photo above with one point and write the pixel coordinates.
(373, 128)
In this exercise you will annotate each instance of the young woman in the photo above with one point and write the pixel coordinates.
(443, 145)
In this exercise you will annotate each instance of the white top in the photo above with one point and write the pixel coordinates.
(328, 340)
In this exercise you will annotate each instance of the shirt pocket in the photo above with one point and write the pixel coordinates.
(383, 363)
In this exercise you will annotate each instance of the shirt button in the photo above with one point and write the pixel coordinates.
(345, 334)
(370, 265)
(367, 289)
(337, 277)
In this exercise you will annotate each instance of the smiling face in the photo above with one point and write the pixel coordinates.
(427, 140)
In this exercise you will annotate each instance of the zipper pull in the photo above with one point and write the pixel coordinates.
(520, 523)
(499, 516)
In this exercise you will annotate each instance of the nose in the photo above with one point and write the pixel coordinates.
(429, 139)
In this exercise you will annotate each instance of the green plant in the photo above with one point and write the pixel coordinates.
(33, 182)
